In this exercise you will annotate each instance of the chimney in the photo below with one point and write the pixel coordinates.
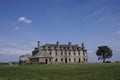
(38, 45)
(69, 43)
(57, 43)
(83, 47)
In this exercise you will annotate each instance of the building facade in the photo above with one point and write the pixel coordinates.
(58, 54)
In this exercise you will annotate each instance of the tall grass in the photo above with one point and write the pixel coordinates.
(62, 72)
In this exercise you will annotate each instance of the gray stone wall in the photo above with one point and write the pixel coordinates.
(59, 53)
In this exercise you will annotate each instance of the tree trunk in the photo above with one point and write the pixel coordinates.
(103, 60)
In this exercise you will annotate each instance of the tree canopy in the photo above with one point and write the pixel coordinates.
(103, 53)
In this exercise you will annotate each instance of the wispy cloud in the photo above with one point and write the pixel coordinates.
(25, 20)
(118, 32)
(91, 51)
(10, 51)
(16, 28)
(15, 48)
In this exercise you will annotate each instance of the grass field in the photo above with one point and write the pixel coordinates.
(62, 72)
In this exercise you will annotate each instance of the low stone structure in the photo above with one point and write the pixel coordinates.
(24, 59)
(57, 54)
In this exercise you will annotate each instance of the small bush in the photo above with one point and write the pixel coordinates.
(108, 62)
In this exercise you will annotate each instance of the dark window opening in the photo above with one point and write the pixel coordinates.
(61, 53)
(56, 53)
(50, 53)
(50, 59)
(69, 60)
(61, 60)
(74, 53)
(69, 53)
(65, 53)
(74, 60)
(84, 59)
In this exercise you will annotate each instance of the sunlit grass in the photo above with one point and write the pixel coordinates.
(62, 72)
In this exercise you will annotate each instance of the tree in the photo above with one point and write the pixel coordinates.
(103, 52)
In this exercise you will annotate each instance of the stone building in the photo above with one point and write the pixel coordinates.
(24, 59)
(58, 54)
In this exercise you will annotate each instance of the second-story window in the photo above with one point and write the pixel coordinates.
(61, 53)
(74, 53)
(65, 53)
(50, 53)
(56, 53)
(69, 53)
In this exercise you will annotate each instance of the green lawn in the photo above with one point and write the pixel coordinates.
(109, 71)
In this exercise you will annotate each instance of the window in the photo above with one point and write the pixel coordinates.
(50, 53)
(83, 53)
(69, 53)
(74, 60)
(84, 59)
(74, 53)
(65, 53)
(69, 60)
(56, 53)
(61, 59)
(50, 59)
(61, 53)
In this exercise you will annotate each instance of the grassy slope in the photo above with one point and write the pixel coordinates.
(62, 72)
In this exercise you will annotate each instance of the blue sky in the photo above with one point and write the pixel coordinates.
(24, 22)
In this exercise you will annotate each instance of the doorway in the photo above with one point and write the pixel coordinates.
(46, 61)
(79, 60)
(66, 60)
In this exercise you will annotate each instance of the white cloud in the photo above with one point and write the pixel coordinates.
(25, 20)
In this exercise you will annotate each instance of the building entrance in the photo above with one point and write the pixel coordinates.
(46, 61)
(66, 60)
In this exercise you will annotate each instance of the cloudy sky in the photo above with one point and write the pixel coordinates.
(24, 22)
